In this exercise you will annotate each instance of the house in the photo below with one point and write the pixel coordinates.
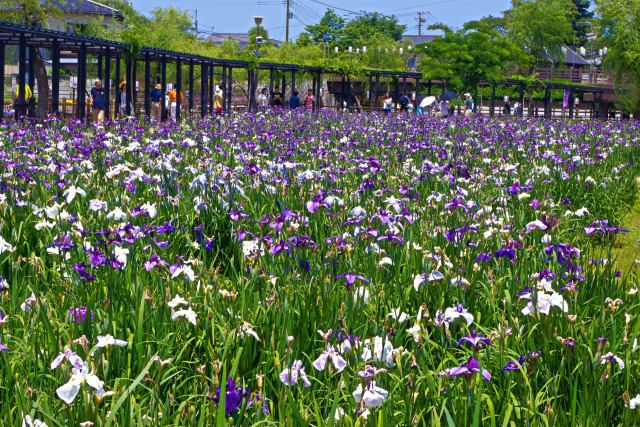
(241, 38)
(76, 14)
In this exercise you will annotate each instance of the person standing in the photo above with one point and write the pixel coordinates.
(123, 98)
(28, 97)
(506, 110)
(156, 102)
(173, 102)
(294, 101)
(387, 103)
(276, 100)
(309, 100)
(96, 99)
(444, 108)
(404, 103)
(217, 100)
(263, 98)
(468, 105)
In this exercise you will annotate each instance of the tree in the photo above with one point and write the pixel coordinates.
(33, 12)
(369, 27)
(619, 27)
(465, 57)
(541, 27)
(329, 28)
(498, 23)
(581, 22)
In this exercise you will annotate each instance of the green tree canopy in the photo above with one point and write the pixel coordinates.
(465, 57)
(581, 22)
(369, 27)
(329, 28)
(541, 27)
(619, 27)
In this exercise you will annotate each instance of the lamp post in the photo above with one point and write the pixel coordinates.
(258, 21)
(350, 53)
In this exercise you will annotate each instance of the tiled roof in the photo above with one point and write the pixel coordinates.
(419, 39)
(87, 6)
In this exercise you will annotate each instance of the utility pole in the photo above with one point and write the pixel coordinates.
(196, 23)
(288, 15)
(420, 20)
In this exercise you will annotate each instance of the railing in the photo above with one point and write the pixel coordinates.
(581, 75)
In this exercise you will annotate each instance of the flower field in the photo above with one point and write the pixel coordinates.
(317, 269)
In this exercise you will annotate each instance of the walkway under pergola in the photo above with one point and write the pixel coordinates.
(110, 54)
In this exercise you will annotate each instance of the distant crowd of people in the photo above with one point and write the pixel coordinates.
(432, 106)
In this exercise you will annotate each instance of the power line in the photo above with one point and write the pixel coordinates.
(334, 7)
(419, 5)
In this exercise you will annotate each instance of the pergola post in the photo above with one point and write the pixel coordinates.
(147, 85)
(203, 89)
(342, 86)
(190, 87)
(134, 90)
(397, 94)
(127, 105)
(32, 74)
(178, 89)
(429, 87)
(404, 85)
(107, 84)
(163, 84)
(293, 81)
(600, 107)
(117, 81)
(370, 92)
(348, 91)
(415, 101)
(100, 66)
(230, 90)
(2, 80)
(547, 102)
(492, 112)
(377, 90)
(521, 100)
(212, 87)
(55, 77)
(270, 85)
(82, 81)
(571, 103)
(318, 89)
(22, 71)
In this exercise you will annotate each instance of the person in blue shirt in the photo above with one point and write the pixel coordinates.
(97, 103)
(294, 101)
(156, 102)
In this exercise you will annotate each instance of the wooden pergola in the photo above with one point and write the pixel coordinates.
(109, 52)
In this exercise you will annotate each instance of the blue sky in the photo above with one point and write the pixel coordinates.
(237, 15)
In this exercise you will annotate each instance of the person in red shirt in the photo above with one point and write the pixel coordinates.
(309, 100)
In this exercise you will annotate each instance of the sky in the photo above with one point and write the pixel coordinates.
(236, 16)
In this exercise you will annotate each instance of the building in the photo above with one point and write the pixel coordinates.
(241, 38)
(77, 14)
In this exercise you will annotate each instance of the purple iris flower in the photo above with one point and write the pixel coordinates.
(232, 398)
(280, 247)
(484, 256)
(237, 215)
(351, 278)
(467, 370)
(79, 313)
(81, 269)
(314, 204)
(477, 341)
(153, 262)
(513, 365)
(96, 257)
